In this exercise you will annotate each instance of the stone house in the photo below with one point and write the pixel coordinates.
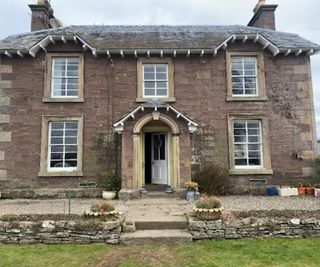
(153, 102)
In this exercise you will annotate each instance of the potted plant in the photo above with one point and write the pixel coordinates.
(208, 208)
(192, 190)
(111, 185)
(317, 190)
(101, 210)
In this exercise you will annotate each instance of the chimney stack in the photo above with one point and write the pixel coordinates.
(42, 13)
(264, 16)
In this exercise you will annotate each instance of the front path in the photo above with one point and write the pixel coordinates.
(156, 207)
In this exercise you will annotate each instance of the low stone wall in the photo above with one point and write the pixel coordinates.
(254, 228)
(60, 232)
(46, 193)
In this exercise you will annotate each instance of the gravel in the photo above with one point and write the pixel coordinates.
(230, 203)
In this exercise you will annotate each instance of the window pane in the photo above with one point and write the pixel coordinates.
(70, 163)
(71, 156)
(57, 125)
(162, 92)
(57, 156)
(240, 162)
(253, 139)
(149, 76)
(149, 85)
(148, 69)
(56, 148)
(162, 147)
(149, 92)
(56, 164)
(161, 76)
(256, 162)
(56, 140)
(239, 131)
(239, 139)
(161, 68)
(71, 148)
(239, 125)
(70, 141)
(71, 125)
(254, 147)
(162, 85)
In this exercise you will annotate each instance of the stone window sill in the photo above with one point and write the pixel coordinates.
(62, 100)
(165, 99)
(246, 99)
(249, 171)
(60, 174)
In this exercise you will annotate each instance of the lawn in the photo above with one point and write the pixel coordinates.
(270, 252)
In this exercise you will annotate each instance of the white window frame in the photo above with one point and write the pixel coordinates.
(66, 77)
(246, 143)
(61, 169)
(256, 76)
(155, 80)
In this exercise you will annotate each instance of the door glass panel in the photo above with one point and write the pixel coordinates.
(156, 145)
(163, 147)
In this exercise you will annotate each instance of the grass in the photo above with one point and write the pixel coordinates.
(270, 252)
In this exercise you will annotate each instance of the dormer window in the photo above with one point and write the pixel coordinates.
(155, 79)
(64, 78)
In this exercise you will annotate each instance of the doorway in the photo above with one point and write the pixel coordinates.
(156, 158)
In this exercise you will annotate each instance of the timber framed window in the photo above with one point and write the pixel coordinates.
(245, 76)
(155, 80)
(61, 146)
(249, 144)
(64, 78)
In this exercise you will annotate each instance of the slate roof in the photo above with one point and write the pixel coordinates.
(156, 37)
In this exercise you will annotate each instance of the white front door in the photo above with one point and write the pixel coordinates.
(159, 158)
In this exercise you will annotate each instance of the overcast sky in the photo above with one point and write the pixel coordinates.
(296, 16)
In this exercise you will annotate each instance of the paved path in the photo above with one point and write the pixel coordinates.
(156, 207)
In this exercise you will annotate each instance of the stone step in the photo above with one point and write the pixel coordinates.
(161, 225)
(158, 194)
(156, 236)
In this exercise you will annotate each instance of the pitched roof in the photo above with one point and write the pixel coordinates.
(102, 38)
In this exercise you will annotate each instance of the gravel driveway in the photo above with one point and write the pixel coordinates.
(231, 203)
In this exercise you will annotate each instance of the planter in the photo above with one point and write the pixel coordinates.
(287, 191)
(317, 192)
(271, 191)
(310, 190)
(301, 191)
(190, 196)
(208, 214)
(109, 195)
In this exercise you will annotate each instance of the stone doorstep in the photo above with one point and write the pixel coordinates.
(156, 236)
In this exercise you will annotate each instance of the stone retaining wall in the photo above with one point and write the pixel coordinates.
(60, 232)
(254, 228)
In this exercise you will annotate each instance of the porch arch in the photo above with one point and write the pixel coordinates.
(156, 116)
(138, 153)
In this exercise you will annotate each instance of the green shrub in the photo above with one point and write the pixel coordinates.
(213, 179)
(111, 182)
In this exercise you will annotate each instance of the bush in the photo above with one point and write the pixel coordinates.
(213, 179)
(111, 182)
(208, 202)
